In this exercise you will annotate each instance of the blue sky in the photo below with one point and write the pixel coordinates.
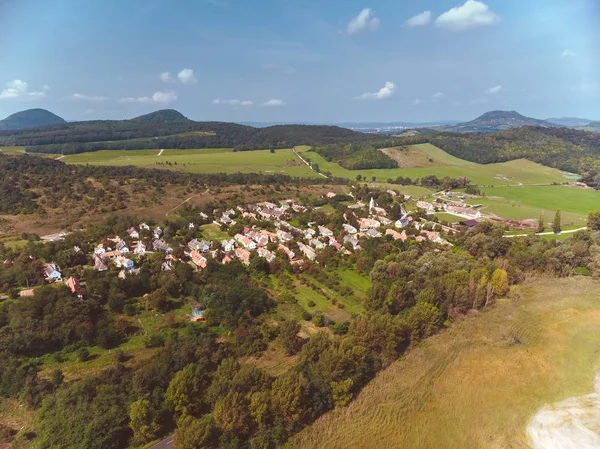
(309, 60)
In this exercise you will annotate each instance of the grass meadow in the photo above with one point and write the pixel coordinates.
(478, 383)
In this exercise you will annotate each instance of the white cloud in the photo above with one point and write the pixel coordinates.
(18, 89)
(234, 102)
(478, 101)
(187, 76)
(472, 14)
(272, 103)
(419, 20)
(158, 97)
(567, 54)
(416, 102)
(494, 90)
(92, 98)
(166, 77)
(385, 92)
(437, 95)
(365, 20)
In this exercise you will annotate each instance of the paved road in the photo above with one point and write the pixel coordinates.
(167, 443)
(570, 231)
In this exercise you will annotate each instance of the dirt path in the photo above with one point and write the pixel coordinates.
(570, 231)
(306, 162)
(185, 201)
(160, 152)
(60, 157)
(570, 424)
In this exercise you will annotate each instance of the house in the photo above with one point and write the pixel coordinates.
(99, 250)
(122, 246)
(243, 255)
(464, 211)
(265, 253)
(226, 260)
(372, 233)
(271, 213)
(325, 232)
(111, 254)
(51, 273)
(330, 195)
(74, 286)
(123, 262)
(425, 205)
(161, 245)
(197, 314)
(469, 223)
(379, 211)
(349, 229)
(403, 222)
(368, 223)
(284, 236)
(355, 244)
(337, 245)
(166, 266)
(245, 241)
(384, 221)
(228, 245)
(140, 248)
(203, 216)
(202, 245)
(391, 192)
(307, 251)
(191, 225)
(316, 244)
(77, 250)
(26, 293)
(133, 233)
(261, 239)
(144, 226)
(198, 259)
(396, 235)
(420, 238)
(99, 264)
(287, 251)
(157, 232)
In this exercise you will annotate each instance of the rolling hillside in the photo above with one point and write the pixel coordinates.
(498, 121)
(31, 118)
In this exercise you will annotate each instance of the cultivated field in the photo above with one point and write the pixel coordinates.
(479, 383)
(503, 174)
(209, 160)
(521, 203)
(423, 155)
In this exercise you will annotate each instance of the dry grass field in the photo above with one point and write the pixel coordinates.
(477, 384)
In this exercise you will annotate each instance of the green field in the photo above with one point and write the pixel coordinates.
(506, 173)
(12, 150)
(528, 202)
(423, 155)
(210, 160)
(212, 232)
(478, 384)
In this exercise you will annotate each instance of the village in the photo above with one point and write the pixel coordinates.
(268, 230)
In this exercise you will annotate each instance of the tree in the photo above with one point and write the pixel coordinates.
(186, 390)
(232, 414)
(195, 433)
(142, 421)
(288, 337)
(500, 282)
(541, 226)
(341, 392)
(289, 396)
(556, 224)
(57, 377)
(593, 222)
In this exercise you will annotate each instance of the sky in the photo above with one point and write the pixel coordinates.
(319, 61)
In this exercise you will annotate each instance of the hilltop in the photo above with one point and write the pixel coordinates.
(170, 129)
(493, 121)
(31, 118)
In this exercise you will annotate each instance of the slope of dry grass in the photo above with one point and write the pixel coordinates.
(477, 384)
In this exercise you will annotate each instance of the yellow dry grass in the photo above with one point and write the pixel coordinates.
(477, 384)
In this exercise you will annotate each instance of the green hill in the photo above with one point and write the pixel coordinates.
(31, 118)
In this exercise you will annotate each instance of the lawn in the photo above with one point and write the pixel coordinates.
(480, 382)
(527, 202)
(209, 160)
(212, 232)
(443, 216)
(12, 150)
(502, 174)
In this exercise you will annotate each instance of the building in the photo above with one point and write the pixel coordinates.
(122, 246)
(307, 251)
(464, 211)
(123, 262)
(379, 211)
(316, 244)
(288, 252)
(198, 259)
(99, 264)
(396, 235)
(245, 241)
(349, 229)
(368, 223)
(202, 246)
(425, 205)
(243, 255)
(161, 245)
(228, 245)
(266, 254)
(132, 232)
(74, 286)
(325, 232)
(353, 241)
(403, 222)
(140, 248)
(51, 273)
(157, 232)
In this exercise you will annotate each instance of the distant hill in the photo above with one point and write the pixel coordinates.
(494, 121)
(170, 129)
(571, 122)
(31, 118)
(592, 126)
(162, 116)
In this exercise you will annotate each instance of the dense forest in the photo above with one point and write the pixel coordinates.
(357, 156)
(169, 129)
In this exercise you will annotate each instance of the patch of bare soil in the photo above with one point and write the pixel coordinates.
(408, 157)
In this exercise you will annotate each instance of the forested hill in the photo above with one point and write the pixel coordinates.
(170, 129)
(31, 118)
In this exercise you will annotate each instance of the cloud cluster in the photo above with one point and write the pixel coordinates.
(165, 97)
(567, 54)
(234, 102)
(366, 20)
(385, 92)
(273, 103)
(437, 95)
(494, 90)
(18, 89)
(186, 76)
(90, 98)
(419, 20)
(472, 14)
